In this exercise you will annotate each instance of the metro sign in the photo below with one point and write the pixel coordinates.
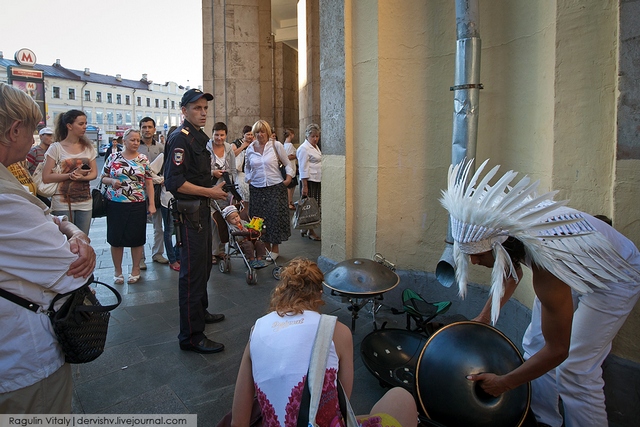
(25, 57)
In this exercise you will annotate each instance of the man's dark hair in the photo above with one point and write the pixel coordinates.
(220, 126)
(515, 249)
(147, 119)
(604, 218)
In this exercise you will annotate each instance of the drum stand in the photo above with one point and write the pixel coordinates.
(356, 303)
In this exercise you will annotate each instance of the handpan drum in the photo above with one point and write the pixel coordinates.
(448, 397)
(361, 277)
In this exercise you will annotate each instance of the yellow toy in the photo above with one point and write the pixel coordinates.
(256, 223)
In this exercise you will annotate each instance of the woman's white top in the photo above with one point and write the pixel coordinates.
(309, 162)
(291, 150)
(263, 170)
(34, 259)
(280, 349)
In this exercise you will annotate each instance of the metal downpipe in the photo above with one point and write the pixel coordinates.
(466, 100)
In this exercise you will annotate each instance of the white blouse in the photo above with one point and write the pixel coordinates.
(309, 162)
(263, 170)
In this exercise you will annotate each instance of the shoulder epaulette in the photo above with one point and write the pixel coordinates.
(186, 132)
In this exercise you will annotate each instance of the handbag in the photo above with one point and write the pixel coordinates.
(100, 202)
(80, 324)
(45, 190)
(307, 214)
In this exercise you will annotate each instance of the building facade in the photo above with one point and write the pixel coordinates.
(111, 103)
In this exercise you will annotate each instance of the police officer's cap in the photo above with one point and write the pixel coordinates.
(192, 95)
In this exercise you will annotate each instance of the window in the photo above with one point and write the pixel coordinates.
(118, 99)
(164, 103)
(127, 99)
(138, 117)
(148, 102)
(98, 96)
(173, 105)
(87, 95)
(56, 92)
(139, 101)
(127, 118)
(110, 117)
(119, 120)
(88, 114)
(109, 98)
(72, 93)
(157, 103)
(99, 117)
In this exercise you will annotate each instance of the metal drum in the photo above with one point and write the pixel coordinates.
(361, 281)
(391, 355)
(452, 353)
(361, 277)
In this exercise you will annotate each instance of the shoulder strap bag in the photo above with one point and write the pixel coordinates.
(80, 324)
(315, 378)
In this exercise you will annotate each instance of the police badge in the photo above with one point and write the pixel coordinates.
(178, 156)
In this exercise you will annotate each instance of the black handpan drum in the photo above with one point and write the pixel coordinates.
(448, 397)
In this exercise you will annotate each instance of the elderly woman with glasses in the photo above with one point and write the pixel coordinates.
(40, 255)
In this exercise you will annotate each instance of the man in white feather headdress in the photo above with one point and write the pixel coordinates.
(586, 277)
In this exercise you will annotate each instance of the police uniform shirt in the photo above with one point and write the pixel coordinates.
(187, 159)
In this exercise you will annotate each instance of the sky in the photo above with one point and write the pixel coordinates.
(160, 38)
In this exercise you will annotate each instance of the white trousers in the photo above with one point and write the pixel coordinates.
(597, 318)
(158, 236)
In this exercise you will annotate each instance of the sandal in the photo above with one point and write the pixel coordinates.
(304, 233)
(175, 266)
(118, 280)
(314, 237)
(133, 279)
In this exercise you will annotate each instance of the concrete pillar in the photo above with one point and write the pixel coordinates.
(309, 62)
(238, 62)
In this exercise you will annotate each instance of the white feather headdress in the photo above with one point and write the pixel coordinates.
(556, 238)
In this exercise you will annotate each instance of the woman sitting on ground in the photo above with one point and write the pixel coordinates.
(276, 360)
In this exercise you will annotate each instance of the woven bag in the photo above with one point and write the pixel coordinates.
(81, 323)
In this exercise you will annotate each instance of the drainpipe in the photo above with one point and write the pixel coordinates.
(466, 99)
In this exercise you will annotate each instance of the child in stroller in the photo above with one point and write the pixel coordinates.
(247, 238)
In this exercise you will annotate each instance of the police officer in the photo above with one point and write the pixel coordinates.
(188, 178)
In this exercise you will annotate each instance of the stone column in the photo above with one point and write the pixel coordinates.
(309, 57)
(237, 61)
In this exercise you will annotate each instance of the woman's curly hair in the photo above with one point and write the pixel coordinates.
(300, 288)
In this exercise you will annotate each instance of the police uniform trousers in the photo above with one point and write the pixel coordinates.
(195, 270)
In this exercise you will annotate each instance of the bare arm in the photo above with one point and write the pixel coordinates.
(343, 340)
(243, 395)
(557, 316)
(148, 182)
(238, 150)
(510, 286)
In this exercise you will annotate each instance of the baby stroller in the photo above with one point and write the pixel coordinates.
(233, 247)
